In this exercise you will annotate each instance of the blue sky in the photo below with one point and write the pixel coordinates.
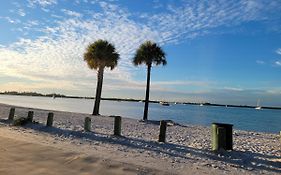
(219, 51)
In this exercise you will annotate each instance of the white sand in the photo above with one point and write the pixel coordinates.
(187, 151)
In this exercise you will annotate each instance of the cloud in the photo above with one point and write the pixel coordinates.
(278, 63)
(182, 82)
(274, 91)
(10, 20)
(71, 13)
(233, 89)
(56, 54)
(260, 62)
(21, 86)
(42, 3)
(31, 23)
(278, 51)
(21, 12)
(196, 18)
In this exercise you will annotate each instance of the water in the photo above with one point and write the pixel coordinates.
(242, 118)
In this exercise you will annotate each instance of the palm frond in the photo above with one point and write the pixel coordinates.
(101, 54)
(149, 53)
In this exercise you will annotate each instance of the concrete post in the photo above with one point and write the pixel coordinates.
(50, 119)
(11, 114)
(30, 116)
(162, 134)
(117, 125)
(87, 124)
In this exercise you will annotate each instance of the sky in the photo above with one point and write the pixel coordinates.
(218, 51)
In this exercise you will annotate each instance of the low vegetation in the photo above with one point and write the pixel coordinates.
(20, 121)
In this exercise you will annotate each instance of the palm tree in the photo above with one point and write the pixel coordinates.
(149, 53)
(99, 55)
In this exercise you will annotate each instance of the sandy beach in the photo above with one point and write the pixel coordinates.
(20, 157)
(66, 149)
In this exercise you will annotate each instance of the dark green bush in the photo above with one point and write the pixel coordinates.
(20, 121)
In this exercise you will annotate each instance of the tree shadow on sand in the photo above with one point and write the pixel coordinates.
(243, 159)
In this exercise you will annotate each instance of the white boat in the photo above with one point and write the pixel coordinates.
(201, 104)
(164, 103)
(258, 107)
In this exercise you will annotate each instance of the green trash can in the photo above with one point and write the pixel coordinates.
(222, 136)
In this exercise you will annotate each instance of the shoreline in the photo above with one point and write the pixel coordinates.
(180, 124)
(151, 101)
(187, 148)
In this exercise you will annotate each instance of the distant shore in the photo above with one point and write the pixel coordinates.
(35, 94)
(187, 150)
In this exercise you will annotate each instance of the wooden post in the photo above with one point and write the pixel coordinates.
(50, 119)
(12, 114)
(162, 134)
(117, 125)
(87, 124)
(30, 116)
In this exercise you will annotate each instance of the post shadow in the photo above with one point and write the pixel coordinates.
(233, 157)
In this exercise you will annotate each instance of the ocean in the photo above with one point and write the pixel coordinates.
(264, 120)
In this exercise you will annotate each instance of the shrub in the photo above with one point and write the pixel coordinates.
(20, 121)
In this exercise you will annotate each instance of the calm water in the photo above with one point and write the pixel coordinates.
(242, 118)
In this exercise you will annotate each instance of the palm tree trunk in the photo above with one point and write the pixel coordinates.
(145, 112)
(98, 91)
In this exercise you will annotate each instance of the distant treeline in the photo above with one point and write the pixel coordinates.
(32, 94)
(55, 95)
(60, 96)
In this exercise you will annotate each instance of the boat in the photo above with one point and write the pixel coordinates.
(201, 104)
(258, 107)
(54, 96)
(164, 103)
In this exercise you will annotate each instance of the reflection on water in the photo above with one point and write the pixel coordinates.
(242, 118)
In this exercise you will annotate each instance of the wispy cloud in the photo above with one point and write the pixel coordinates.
(274, 91)
(195, 18)
(42, 3)
(278, 51)
(182, 82)
(21, 12)
(10, 20)
(56, 54)
(71, 13)
(260, 62)
(278, 63)
(233, 89)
